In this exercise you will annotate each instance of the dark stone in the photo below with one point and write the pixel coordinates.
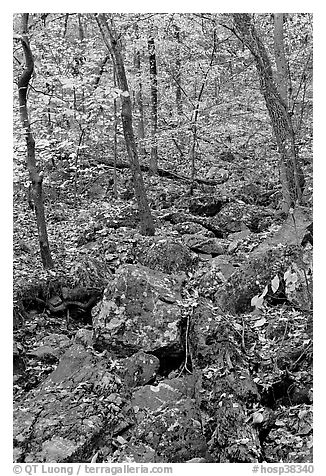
(166, 255)
(78, 403)
(139, 369)
(139, 310)
(203, 244)
(206, 205)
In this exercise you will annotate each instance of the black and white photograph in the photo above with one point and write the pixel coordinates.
(162, 241)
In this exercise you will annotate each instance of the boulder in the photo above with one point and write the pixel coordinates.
(61, 420)
(258, 271)
(223, 264)
(220, 271)
(178, 217)
(19, 360)
(203, 244)
(51, 347)
(206, 205)
(191, 228)
(139, 369)
(139, 310)
(226, 387)
(168, 420)
(239, 216)
(166, 255)
(281, 254)
(217, 173)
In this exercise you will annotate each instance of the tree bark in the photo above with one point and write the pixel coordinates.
(36, 178)
(139, 100)
(115, 140)
(153, 82)
(65, 24)
(111, 41)
(180, 144)
(81, 34)
(277, 109)
(282, 86)
(178, 77)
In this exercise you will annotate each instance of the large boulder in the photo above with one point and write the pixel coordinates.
(203, 244)
(238, 216)
(251, 278)
(51, 347)
(282, 257)
(226, 387)
(191, 228)
(62, 419)
(139, 369)
(206, 205)
(139, 310)
(166, 255)
(169, 421)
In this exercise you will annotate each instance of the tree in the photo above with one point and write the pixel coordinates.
(36, 177)
(139, 97)
(276, 104)
(178, 77)
(153, 82)
(112, 42)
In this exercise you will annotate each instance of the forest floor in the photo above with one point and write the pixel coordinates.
(89, 242)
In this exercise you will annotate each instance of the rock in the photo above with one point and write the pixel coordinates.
(136, 453)
(168, 420)
(227, 156)
(177, 217)
(206, 205)
(51, 348)
(255, 193)
(297, 425)
(280, 254)
(19, 360)
(76, 405)
(292, 231)
(139, 310)
(191, 228)
(253, 275)
(226, 387)
(84, 337)
(220, 271)
(203, 244)
(139, 369)
(238, 237)
(181, 217)
(166, 255)
(223, 265)
(216, 173)
(236, 217)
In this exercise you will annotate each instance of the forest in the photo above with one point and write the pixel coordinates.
(163, 238)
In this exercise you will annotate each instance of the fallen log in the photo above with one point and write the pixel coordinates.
(160, 172)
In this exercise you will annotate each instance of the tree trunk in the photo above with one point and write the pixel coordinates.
(178, 91)
(282, 86)
(277, 109)
(112, 43)
(139, 101)
(115, 139)
(65, 24)
(36, 178)
(81, 34)
(153, 82)
(178, 78)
